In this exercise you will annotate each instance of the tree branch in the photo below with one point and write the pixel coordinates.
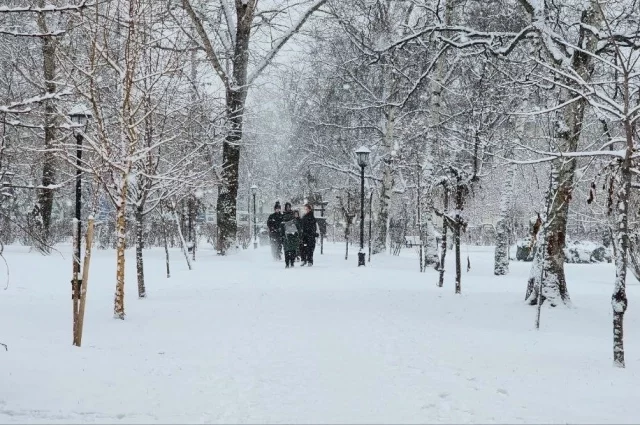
(208, 46)
(45, 9)
(274, 51)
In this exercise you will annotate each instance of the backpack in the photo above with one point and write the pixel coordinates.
(290, 227)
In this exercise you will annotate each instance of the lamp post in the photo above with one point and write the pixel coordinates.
(80, 116)
(254, 189)
(363, 160)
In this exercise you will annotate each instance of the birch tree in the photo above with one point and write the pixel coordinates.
(123, 95)
(501, 257)
(612, 91)
(554, 30)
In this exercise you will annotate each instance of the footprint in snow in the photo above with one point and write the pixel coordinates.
(502, 391)
(444, 395)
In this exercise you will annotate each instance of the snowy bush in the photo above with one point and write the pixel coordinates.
(584, 252)
(577, 252)
(524, 250)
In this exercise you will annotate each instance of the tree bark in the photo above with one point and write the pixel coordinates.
(619, 300)
(501, 265)
(456, 234)
(44, 208)
(382, 236)
(443, 243)
(142, 291)
(549, 257)
(118, 305)
(226, 207)
(236, 96)
(569, 128)
(163, 225)
(181, 235)
(433, 151)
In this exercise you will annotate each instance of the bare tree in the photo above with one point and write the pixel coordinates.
(228, 51)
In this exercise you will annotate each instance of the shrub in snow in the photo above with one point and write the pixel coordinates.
(524, 250)
(584, 252)
(577, 252)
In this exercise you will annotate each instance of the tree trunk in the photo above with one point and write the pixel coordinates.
(346, 241)
(163, 225)
(501, 266)
(192, 216)
(554, 286)
(142, 291)
(634, 256)
(228, 191)
(44, 208)
(382, 237)
(619, 298)
(431, 242)
(118, 308)
(456, 235)
(236, 86)
(456, 238)
(434, 119)
(443, 243)
(568, 130)
(236, 96)
(181, 235)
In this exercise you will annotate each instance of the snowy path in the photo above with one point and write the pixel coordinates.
(241, 339)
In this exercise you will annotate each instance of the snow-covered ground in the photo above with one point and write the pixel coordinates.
(241, 339)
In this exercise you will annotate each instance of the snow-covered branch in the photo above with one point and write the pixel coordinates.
(4, 31)
(50, 8)
(283, 40)
(23, 106)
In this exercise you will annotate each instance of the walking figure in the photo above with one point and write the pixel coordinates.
(309, 235)
(290, 229)
(296, 214)
(275, 237)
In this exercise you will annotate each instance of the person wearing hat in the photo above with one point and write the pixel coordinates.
(275, 238)
(290, 230)
(309, 235)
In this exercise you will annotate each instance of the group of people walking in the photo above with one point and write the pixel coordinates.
(294, 234)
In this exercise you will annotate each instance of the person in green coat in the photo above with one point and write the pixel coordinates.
(290, 231)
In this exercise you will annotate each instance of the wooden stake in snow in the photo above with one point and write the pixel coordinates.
(85, 280)
(75, 282)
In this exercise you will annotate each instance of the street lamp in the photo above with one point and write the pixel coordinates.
(363, 160)
(80, 116)
(254, 189)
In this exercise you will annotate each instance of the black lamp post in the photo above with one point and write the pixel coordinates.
(363, 160)
(254, 189)
(80, 116)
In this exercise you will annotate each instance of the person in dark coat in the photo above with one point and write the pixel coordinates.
(309, 235)
(290, 231)
(275, 237)
(296, 214)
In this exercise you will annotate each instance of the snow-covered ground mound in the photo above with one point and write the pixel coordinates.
(241, 339)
